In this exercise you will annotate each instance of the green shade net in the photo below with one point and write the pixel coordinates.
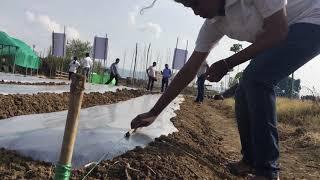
(101, 79)
(6, 40)
(24, 55)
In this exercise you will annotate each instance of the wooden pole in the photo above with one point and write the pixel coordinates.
(147, 63)
(71, 128)
(52, 48)
(106, 50)
(135, 62)
(131, 66)
(185, 60)
(14, 63)
(124, 62)
(94, 57)
(292, 85)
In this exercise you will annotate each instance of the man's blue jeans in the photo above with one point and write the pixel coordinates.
(200, 84)
(255, 96)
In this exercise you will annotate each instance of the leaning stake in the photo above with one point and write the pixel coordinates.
(63, 168)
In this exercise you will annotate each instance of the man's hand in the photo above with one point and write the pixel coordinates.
(143, 120)
(217, 70)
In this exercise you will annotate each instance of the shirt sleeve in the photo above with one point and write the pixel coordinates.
(208, 37)
(268, 7)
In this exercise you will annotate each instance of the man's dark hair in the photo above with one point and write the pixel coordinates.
(74, 60)
(87, 54)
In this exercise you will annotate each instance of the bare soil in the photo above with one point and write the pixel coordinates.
(34, 83)
(23, 104)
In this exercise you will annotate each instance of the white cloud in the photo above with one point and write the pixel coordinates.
(133, 15)
(72, 33)
(132, 18)
(30, 16)
(153, 28)
(150, 27)
(50, 25)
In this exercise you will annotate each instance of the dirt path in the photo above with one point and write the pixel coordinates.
(207, 140)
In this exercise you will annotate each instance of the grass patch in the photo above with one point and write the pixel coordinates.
(294, 112)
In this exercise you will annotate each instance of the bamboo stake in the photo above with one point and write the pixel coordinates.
(63, 169)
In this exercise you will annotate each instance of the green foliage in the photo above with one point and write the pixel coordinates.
(236, 48)
(284, 87)
(77, 48)
(52, 64)
(97, 67)
(234, 80)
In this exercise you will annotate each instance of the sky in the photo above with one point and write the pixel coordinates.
(34, 20)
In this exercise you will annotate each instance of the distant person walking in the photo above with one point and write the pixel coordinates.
(166, 74)
(87, 64)
(114, 74)
(201, 75)
(151, 71)
(73, 66)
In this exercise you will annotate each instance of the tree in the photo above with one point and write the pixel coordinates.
(284, 87)
(235, 80)
(236, 48)
(77, 48)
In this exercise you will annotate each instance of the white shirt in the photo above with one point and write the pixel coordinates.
(243, 19)
(87, 62)
(152, 71)
(73, 66)
(203, 68)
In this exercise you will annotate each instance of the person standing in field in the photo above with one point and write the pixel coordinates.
(201, 75)
(73, 66)
(166, 74)
(86, 65)
(114, 73)
(151, 72)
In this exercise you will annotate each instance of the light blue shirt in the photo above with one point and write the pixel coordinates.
(166, 73)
